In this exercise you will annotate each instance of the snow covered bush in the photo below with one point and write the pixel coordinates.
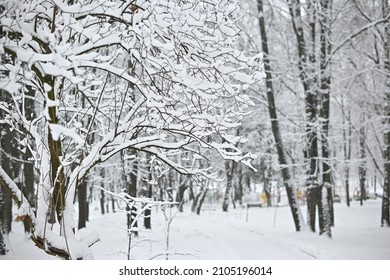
(105, 76)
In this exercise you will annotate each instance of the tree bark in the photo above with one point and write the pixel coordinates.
(327, 213)
(240, 189)
(8, 151)
(83, 203)
(3, 246)
(28, 185)
(132, 211)
(201, 200)
(5, 220)
(385, 217)
(149, 194)
(55, 148)
(362, 169)
(229, 170)
(180, 193)
(347, 150)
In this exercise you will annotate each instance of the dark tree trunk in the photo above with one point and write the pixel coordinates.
(268, 196)
(55, 148)
(327, 212)
(83, 204)
(28, 188)
(313, 197)
(132, 211)
(113, 204)
(148, 211)
(8, 150)
(267, 175)
(5, 212)
(202, 197)
(309, 80)
(248, 182)
(347, 150)
(274, 122)
(233, 198)
(362, 169)
(147, 219)
(180, 195)
(3, 247)
(29, 181)
(5, 219)
(195, 202)
(229, 169)
(149, 194)
(102, 196)
(385, 217)
(240, 189)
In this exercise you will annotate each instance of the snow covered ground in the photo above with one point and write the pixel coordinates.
(268, 234)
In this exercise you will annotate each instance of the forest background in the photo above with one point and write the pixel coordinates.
(141, 101)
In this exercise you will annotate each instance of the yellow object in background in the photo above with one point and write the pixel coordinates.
(263, 199)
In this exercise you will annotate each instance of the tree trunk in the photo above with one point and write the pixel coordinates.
(102, 202)
(312, 201)
(229, 169)
(148, 211)
(347, 150)
(385, 217)
(5, 220)
(55, 148)
(327, 215)
(291, 195)
(307, 62)
(113, 204)
(201, 200)
(8, 150)
(240, 189)
(307, 73)
(83, 203)
(28, 185)
(362, 169)
(266, 182)
(132, 211)
(195, 202)
(3, 246)
(180, 195)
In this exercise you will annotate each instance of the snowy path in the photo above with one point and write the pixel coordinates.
(215, 235)
(212, 235)
(224, 239)
(267, 235)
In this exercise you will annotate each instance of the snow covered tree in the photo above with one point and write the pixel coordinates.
(314, 72)
(358, 33)
(154, 76)
(361, 52)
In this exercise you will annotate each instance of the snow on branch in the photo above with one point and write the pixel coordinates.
(8, 185)
(152, 76)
